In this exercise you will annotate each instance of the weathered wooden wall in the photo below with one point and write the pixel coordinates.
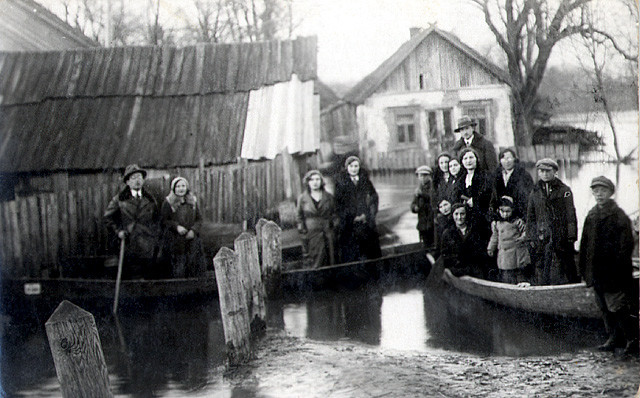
(338, 120)
(442, 66)
(38, 230)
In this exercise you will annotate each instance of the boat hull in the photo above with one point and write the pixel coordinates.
(570, 300)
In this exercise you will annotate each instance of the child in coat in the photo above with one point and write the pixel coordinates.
(508, 237)
(422, 205)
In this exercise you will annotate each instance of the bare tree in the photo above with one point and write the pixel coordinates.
(211, 24)
(527, 31)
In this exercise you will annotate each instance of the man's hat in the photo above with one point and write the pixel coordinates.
(463, 122)
(132, 169)
(424, 170)
(547, 163)
(603, 181)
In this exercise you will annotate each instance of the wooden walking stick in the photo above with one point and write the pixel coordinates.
(119, 276)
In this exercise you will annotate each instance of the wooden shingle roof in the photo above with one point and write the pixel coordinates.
(367, 86)
(155, 106)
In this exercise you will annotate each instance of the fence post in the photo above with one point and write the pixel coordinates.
(77, 353)
(261, 222)
(233, 306)
(246, 247)
(271, 258)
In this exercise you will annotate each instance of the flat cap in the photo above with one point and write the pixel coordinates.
(547, 163)
(424, 170)
(602, 181)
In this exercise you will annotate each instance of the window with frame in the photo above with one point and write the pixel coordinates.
(480, 112)
(405, 128)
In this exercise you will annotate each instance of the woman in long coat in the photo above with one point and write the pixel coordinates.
(473, 189)
(511, 179)
(182, 220)
(463, 249)
(357, 206)
(315, 212)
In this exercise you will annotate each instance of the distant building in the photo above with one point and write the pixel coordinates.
(27, 26)
(409, 105)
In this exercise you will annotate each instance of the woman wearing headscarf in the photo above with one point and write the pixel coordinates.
(315, 212)
(357, 206)
(182, 220)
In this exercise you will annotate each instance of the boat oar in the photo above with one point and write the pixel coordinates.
(118, 277)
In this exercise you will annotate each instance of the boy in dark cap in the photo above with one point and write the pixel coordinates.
(605, 263)
(133, 215)
(552, 227)
(422, 204)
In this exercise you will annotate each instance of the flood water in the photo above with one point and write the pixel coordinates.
(178, 350)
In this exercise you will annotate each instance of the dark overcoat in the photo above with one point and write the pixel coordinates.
(357, 240)
(480, 191)
(487, 158)
(423, 205)
(465, 254)
(140, 218)
(552, 228)
(316, 219)
(606, 248)
(518, 187)
(185, 255)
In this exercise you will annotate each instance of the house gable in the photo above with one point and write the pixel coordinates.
(436, 64)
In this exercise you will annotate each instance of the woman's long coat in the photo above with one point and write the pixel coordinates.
(464, 254)
(518, 187)
(480, 191)
(606, 248)
(552, 228)
(140, 219)
(185, 255)
(357, 240)
(317, 219)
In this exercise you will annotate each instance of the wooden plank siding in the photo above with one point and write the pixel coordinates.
(443, 67)
(39, 230)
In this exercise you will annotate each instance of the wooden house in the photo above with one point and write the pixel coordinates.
(405, 111)
(25, 25)
(240, 121)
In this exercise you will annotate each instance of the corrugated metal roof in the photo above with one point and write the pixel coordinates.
(25, 25)
(106, 108)
(367, 86)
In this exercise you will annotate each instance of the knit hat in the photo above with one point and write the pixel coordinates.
(547, 163)
(311, 173)
(602, 181)
(506, 201)
(424, 170)
(350, 160)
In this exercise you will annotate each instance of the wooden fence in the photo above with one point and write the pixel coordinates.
(558, 151)
(396, 161)
(39, 230)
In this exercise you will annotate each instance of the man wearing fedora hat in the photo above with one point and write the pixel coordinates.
(606, 248)
(133, 215)
(487, 159)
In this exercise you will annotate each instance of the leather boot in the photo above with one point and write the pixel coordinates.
(612, 342)
(630, 327)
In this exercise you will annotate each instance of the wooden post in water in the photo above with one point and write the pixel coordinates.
(77, 353)
(233, 305)
(271, 258)
(246, 248)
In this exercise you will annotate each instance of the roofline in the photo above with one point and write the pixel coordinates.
(391, 63)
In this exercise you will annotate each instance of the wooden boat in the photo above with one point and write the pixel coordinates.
(396, 260)
(570, 300)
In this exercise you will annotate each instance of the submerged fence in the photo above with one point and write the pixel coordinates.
(39, 230)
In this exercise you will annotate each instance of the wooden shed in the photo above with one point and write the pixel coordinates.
(405, 111)
(240, 121)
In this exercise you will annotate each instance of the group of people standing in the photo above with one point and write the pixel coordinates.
(160, 240)
(490, 220)
(340, 228)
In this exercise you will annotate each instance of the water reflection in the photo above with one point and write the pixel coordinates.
(422, 319)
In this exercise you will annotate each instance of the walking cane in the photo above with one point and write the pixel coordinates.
(119, 276)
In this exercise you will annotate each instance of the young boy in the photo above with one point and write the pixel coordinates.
(552, 227)
(422, 204)
(508, 237)
(605, 263)
(443, 221)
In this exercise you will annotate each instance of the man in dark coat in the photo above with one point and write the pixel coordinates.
(605, 263)
(552, 227)
(487, 159)
(422, 204)
(133, 215)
